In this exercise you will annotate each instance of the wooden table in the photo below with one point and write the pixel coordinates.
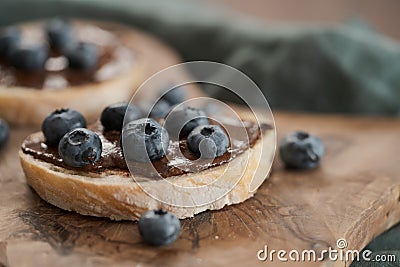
(355, 195)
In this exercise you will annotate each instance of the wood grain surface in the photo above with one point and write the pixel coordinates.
(354, 195)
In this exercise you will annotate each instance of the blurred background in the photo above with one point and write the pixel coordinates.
(382, 15)
(310, 56)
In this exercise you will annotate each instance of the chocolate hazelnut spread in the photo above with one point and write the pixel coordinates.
(179, 160)
(115, 58)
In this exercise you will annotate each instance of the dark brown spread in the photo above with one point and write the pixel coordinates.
(179, 160)
(115, 58)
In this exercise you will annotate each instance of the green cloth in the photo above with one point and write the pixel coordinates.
(386, 244)
(347, 68)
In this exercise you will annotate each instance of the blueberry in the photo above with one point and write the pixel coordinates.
(29, 58)
(4, 133)
(160, 109)
(59, 33)
(80, 147)
(182, 120)
(208, 141)
(144, 140)
(112, 117)
(82, 56)
(159, 227)
(301, 150)
(10, 38)
(174, 96)
(60, 122)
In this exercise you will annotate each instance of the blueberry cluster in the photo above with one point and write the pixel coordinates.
(60, 38)
(60, 122)
(77, 146)
(148, 140)
(204, 140)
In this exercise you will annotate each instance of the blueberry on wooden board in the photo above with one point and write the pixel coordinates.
(159, 227)
(301, 150)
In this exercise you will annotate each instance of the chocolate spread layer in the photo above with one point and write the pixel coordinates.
(115, 58)
(179, 159)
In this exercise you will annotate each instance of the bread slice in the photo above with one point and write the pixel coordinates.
(29, 106)
(115, 195)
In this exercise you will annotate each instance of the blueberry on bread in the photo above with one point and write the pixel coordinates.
(59, 34)
(208, 141)
(10, 38)
(60, 122)
(112, 117)
(144, 140)
(4, 133)
(29, 58)
(181, 120)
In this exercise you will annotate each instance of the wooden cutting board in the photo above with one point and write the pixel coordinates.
(355, 194)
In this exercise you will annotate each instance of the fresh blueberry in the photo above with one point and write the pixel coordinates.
(144, 140)
(183, 119)
(80, 147)
(82, 56)
(29, 58)
(160, 109)
(159, 227)
(208, 141)
(59, 33)
(10, 38)
(174, 96)
(60, 122)
(4, 133)
(301, 150)
(112, 117)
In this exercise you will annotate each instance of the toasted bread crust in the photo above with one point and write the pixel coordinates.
(111, 194)
(29, 106)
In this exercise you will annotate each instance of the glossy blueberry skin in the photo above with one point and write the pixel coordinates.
(80, 147)
(29, 58)
(10, 38)
(59, 34)
(300, 150)
(82, 56)
(160, 109)
(159, 227)
(4, 133)
(174, 96)
(144, 140)
(183, 119)
(60, 122)
(112, 117)
(208, 141)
